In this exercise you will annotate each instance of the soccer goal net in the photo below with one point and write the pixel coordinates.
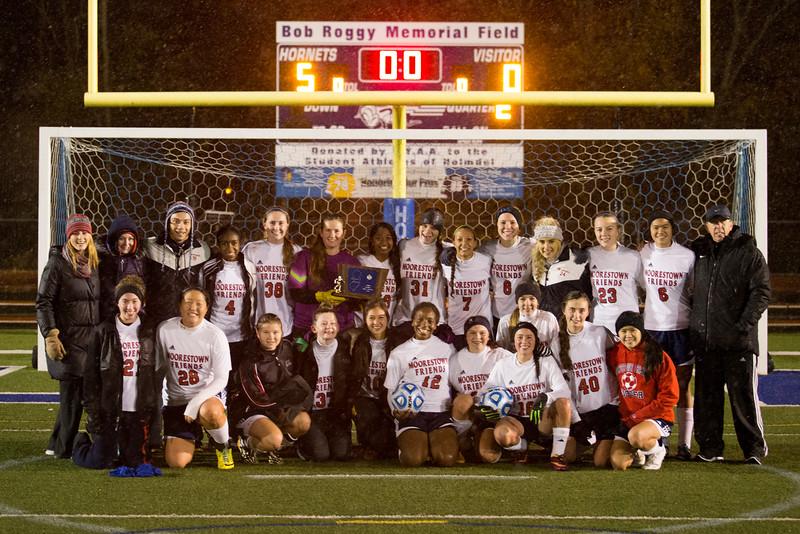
(232, 176)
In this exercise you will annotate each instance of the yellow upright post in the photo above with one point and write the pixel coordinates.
(705, 46)
(92, 86)
(399, 160)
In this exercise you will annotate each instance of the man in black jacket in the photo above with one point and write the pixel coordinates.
(731, 291)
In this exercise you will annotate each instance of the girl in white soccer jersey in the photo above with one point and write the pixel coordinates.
(230, 280)
(421, 278)
(581, 349)
(541, 402)
(467, 273)
(511, 260)
(470, 368)
(197, 361)
(272, 257)
(557, 267)
(384, 254)
(668, 269)
(615, 270)
(527, 310)
(424, 360)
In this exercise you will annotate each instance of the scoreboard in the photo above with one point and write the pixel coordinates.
(399, 56)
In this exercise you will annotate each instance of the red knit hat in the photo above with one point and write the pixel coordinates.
(78, 223)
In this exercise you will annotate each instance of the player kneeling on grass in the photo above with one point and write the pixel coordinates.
(270, 402)
(469, 369)
(648, 391)
(325, 365)
(120, 390)
(424, 360)
(197, 359)
(541, 407)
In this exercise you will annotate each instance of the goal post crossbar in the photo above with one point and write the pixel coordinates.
(386, 98)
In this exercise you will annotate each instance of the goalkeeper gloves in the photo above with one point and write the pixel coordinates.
(538, 407)
(327, 297)
(53, 346)
(487, 413)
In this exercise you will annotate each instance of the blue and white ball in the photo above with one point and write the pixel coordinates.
(498, 399)
(407, 396)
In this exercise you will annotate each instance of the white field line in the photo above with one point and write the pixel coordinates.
(15, 351)
(346, 476)
(785, 353)
(401, 517)
(8, 369)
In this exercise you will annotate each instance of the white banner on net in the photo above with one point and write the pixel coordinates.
(364, 170)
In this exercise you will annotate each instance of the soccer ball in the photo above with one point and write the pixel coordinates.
(407, 396)
(498, 399)
(628, 381)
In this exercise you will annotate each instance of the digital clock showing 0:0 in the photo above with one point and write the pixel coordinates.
(399, 65)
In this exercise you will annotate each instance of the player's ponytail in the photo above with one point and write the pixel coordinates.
(653, 355)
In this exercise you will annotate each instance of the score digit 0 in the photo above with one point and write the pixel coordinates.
(512, 83)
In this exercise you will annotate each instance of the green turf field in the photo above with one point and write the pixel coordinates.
(39, 494)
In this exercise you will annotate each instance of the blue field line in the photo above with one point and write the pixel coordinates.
(28, 398)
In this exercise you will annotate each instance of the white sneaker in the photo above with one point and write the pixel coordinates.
(653, 461)
(49, 452)
(638, 458)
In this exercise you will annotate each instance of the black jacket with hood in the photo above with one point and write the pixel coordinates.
(731, 291)
(115, 266)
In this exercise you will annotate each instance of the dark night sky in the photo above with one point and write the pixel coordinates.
(570, 45)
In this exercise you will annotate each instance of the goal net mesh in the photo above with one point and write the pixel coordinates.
(233, 181)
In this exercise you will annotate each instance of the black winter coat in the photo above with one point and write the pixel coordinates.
(72, 305)
(103, 378)
(345, 383)
(731, 291)
(361, 358)
(113, 266)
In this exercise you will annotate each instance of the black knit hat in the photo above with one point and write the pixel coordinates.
(528, 326)
(514, 213)
(476, 320)
(527, 288)
(629, 318)
(130, 284)
(433, 217)
(661, 215)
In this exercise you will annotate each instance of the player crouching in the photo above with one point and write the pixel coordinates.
(197, 360)
(269, 402)
(541, 406)
(648, 391)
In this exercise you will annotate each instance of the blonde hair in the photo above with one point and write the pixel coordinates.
(537, 259)
(91, 255)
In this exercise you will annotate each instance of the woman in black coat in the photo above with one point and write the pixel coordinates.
(67, 311)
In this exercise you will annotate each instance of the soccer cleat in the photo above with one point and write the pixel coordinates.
(708, 458)
(753, 460)
(653, 461)
(49, 452)
(249, 456)
(638, 458)
(224, 458)
(273, 458)
(559, 463)
(684, 453)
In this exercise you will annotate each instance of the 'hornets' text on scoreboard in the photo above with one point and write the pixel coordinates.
(400, 56)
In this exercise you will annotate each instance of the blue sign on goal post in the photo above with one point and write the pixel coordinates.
(399, 212)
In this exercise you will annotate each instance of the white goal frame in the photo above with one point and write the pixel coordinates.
(48, 133)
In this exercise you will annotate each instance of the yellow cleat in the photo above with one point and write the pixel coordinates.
(225, 458)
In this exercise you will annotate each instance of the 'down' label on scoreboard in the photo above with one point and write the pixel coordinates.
(400, 56)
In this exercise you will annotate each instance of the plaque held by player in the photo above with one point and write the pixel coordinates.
(359, 282)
